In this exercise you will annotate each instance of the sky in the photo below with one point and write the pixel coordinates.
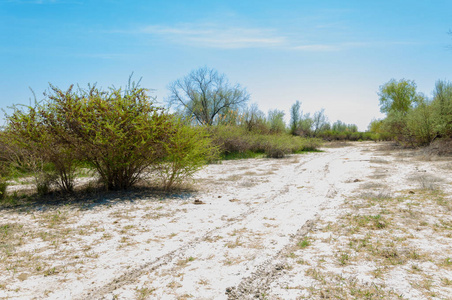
(327, 54)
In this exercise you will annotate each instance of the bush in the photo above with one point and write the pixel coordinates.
(420, 129)
(3, 186)
(33, 144)
(187, 149)
(237, 140)
(119, 133)
(231, 139)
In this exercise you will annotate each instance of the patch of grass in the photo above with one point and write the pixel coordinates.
(304, 243)
(234, 244)
(143, 293)
(335, 286)
(343, 258)
(375, 222)
(184, 262)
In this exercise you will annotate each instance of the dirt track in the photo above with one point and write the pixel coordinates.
(235, 245)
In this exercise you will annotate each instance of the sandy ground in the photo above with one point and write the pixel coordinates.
(352, 222)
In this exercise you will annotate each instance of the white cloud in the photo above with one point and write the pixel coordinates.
(347, 46)
(317, 47)
(212, 36)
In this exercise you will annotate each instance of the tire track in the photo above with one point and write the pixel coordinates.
(258, 283)
(131, 276)
(259, 280)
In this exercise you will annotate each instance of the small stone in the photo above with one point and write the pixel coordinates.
(197, 201)
(23, 276)
(234, 200)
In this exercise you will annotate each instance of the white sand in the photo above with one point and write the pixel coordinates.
(173, 249)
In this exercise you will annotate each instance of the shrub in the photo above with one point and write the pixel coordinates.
(231, 139)
(119, 133)
(237, 140)
(277, 146)
(311, 144)
(3, 186)
(33, 144)
(420, 125)
(187, 149)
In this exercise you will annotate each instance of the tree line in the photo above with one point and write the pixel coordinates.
(412, 118)
(207, 98)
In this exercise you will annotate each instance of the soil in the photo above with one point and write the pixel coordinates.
(258, 228)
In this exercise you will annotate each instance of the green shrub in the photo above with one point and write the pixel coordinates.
(277, 146)
(187, 149)
(420, 129)
(119, 133)
(311, 144)
(231, 139)
(34, 144)
(3, 186)
(236, 141)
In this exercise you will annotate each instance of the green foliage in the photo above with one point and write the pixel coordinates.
(32, 139)
(236, 141)
(340, 126)
(412, 119)
(120, 133)
(295, 117)
(300, 124)
(3, 186)
(395, 125)
(397, 96)
(319, 123)
(254, 120)
(442, 108)
(276, 121)
(420, 127)
(187, 149)
(232, 139)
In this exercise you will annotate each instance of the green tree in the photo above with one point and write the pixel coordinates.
(204, 94)
(276, 121)
(397, 96)
(296, 114)
(420, 129)
(442, 106)
(254, 119)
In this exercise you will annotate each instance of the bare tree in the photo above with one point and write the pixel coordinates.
(319, 122)
(204, 94)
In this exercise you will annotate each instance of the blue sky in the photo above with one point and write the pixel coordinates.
(327, 54)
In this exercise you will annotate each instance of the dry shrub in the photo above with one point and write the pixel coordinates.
(440, 147)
